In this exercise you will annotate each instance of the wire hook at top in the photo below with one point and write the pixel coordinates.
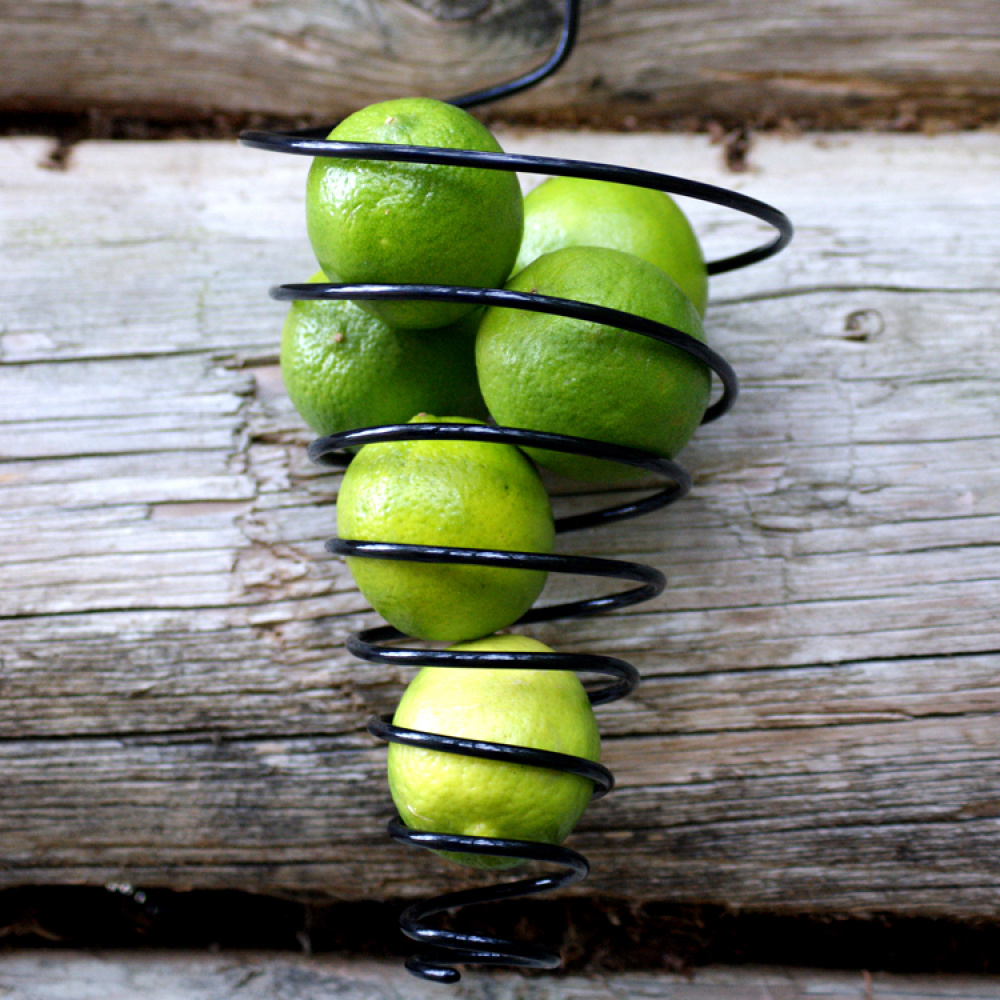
(567, 39)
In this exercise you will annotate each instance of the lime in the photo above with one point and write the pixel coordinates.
(567, 376)
(465, 494)
(572, 211)
(344, 368)
(449, 793)
(381, 221)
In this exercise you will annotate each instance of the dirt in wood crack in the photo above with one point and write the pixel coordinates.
(592, 934)
(72, 126)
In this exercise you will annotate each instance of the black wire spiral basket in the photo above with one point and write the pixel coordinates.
(381, 644)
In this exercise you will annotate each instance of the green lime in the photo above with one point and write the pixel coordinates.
(567, 376)
(449, 793)
(465, 494)
(572, 211)
(415, 223)
(344, 368)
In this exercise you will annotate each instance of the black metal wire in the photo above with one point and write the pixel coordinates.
(456, 946)
(533, 302)
(332, 451)
(381, 644)
(567, 39)
(303, 145)
(370, 645)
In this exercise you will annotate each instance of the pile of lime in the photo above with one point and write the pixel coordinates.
(358, 364)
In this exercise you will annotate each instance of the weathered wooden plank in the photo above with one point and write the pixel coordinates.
(66, 976)
(817, 725)
(829, 817)
(732, 58)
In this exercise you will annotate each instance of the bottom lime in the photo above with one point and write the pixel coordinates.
(450, 793)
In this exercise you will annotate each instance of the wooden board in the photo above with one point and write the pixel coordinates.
(817, 726)
(67, 976)
(903, 63)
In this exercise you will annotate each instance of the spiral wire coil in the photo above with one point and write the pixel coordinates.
(380, 644)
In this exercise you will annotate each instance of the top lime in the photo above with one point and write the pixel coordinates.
(449, 793)
(414, 223)
(572, 211)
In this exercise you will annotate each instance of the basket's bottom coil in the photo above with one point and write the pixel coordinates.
(456, 946)
(450, 946)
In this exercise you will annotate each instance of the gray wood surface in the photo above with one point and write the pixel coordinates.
(67, 976)
(902, 62)
(817, 727)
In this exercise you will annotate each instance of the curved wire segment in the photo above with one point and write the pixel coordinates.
(456, 946)
(567, 39)
(289, 142)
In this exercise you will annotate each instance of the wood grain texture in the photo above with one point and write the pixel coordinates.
(818, 722)
(69, 976)
(734, 59)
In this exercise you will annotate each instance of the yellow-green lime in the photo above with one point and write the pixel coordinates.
(344, 368)
(448, 793)
(382, 221)
(586, 379)
(573, 211)
(465, 494)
